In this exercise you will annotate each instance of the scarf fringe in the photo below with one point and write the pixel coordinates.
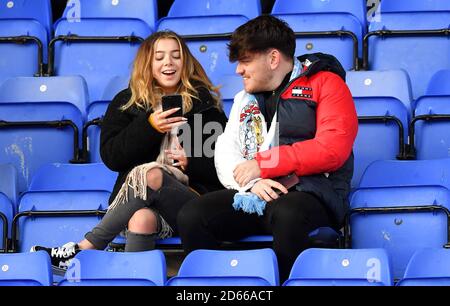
(166, 230)
(137, 181)
(249, 203)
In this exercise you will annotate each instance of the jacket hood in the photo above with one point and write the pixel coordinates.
(316, 62)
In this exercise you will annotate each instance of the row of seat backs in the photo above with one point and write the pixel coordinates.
(369, 267)
(414, 183)
(60, 188)
(376, 93)
(121, 18)
(89, 268)
(87, 187)
(41, 11)
(146, 10)
(202, 268)
(313, 267)
(73, 89)
(211, 54)
(69, 177)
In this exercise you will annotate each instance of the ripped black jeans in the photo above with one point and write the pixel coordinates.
(165, 202)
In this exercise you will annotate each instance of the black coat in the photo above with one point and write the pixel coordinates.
(128, 140)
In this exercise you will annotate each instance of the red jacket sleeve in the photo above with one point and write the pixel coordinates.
(337, 126)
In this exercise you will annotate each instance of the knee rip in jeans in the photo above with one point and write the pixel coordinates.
(155, 178)
(163, 229)
(143, 220)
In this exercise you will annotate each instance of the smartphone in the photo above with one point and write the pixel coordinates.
(173, 101)
(287, 181)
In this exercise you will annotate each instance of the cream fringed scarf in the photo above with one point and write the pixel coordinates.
(137, 179)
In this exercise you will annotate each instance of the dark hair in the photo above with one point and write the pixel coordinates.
(260, 34)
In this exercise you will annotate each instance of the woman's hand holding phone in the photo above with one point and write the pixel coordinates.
(162, 121)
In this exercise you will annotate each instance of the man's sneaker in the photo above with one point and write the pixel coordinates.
(61, 257)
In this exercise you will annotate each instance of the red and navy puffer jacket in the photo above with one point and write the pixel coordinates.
(317, 127)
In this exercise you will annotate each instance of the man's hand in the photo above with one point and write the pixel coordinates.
(264, 189)
(246, 172)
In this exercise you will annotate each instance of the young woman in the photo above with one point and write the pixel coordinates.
(157, 175)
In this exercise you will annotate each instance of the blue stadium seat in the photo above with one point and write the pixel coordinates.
(96, 111)
(428, 267)
(8, 182)
(380, 98)
(383, 83)
(343, 267)
(189, 8)
(6, 215)
(415, 6)
(25, 105)
(207, 38)
(97, 49)
(393, 173)
(356, 8)
(8, 199)
(63, 201)
(406, 177)
(431, 128)
(439, 84)
(27, 269)
(320, 237)
(429, 136)
(23, 46)
(400, 220)
(228, 268)
(39, 11)
(72, 90)
(325, 16)
(72, 177)
(421, 55)
(231, 86)
(143, 10)
(100, 268)
(63, 217)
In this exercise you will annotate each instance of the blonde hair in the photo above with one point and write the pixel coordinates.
(146, 93)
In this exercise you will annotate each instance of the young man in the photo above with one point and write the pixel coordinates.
(292, 118)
